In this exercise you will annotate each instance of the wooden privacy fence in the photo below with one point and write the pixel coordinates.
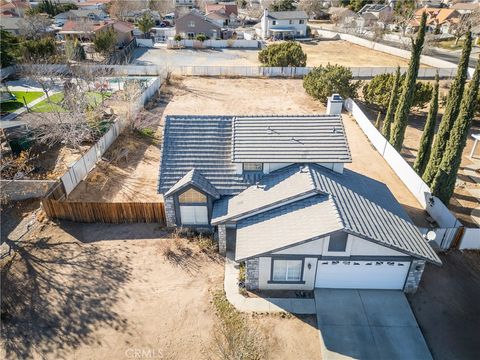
(56, 207)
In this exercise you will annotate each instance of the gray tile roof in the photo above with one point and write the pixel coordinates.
(287, 15)
(365, 208)
(277, 188)
(194, 178)
(203, 143)
(294, 223)
(290, 139)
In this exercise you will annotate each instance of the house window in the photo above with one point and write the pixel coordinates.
(190, 35)
(274, 22)
(301, 21)
(338, 242)
(192, 196)
(290, 22)
(287, 270)
(252, 167)
(191, 24)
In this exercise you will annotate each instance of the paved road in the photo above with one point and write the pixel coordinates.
(368, 324)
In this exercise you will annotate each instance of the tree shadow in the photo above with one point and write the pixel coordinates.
(56, 294)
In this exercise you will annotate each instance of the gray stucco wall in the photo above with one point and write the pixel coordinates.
(201, 26)
(252, 274)
(414, 276)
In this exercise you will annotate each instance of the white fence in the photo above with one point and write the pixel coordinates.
(470, 239)
(296, 72)
(80, 169)
(244, 44)
(436, 209)
(144, 42)
(425, 59)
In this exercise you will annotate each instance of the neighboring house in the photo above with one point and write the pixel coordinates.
(163, 34)
(15, 8)
(185, 3)
(438, 20)
(85, 30)
(222, 13)
(123, 31)
(275, 190)
(12, 24)
(194, 23)
(380, 11)
(283, 24)
(92, 15)
(466, 8)
(92, 5)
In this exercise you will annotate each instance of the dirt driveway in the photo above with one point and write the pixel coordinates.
(79, 291)
(447, 306)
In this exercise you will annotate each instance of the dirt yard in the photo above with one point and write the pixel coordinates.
(447, 308)
(347, 54)
(465, 203)
(83, 291)
(138, 179)
(318, 53)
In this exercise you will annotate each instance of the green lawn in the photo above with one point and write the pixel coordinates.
(11, 106)
(55, 103)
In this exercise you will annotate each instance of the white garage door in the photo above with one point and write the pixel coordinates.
(361, 274)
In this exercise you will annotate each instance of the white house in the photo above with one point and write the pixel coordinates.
(275, 191)
(283, 24)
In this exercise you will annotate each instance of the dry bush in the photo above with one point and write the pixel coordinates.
(235, 338)
(16, 166)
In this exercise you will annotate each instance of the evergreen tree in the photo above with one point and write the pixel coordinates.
(443, 184)
(428, 132)
(378, 123)
(392, 105)
(408, 90)
(452, 109)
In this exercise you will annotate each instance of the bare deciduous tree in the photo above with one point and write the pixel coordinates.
(466, 21)
(34, 26)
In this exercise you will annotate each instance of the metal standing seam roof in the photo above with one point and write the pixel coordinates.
(287, 15)
(365, 208)
(290, 139)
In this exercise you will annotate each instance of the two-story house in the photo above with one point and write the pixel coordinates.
(194, 23)
(283, 24)
(275, 192)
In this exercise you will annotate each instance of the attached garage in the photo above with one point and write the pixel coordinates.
(361, 274)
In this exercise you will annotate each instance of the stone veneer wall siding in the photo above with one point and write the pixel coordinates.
(171, 218)
(252, 274)
(222, 239)
(414, 276)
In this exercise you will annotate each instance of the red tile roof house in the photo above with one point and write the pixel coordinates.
(15, 8)
(437, 19)
(275, 192)
(85, 31)
(223, 14)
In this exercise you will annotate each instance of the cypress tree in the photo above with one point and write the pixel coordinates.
(378, 123)
(443, 184)
(452, 109)
(428, 132)
(408, 90)
(392, 105)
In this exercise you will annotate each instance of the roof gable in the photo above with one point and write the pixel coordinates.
(287, 15)
(194, 178)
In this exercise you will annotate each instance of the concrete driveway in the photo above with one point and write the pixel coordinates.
(368, 324)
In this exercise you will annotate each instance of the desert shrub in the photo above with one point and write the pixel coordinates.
(323, 81)
(377, 91)
(201, 37)
(284, 54)
(178, 37)
(234, 337)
